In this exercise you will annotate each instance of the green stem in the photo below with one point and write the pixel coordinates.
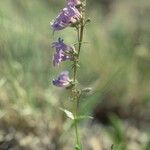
(75, 100)
(80, 30)
(76, 128)
(75, 94)
(80, 39)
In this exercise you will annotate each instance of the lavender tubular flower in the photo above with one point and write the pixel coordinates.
(74, 2)
(63, 80)
(62, 52)
(59, 57)
(60, 45)
(68, 16)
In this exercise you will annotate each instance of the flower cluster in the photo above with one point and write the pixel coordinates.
(63, 52)
(69, 16)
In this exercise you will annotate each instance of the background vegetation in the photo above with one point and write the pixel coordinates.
(115, 62)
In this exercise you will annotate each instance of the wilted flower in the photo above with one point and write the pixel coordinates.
(63, 80)
(68, 16)
(74, 2)
(63, 52)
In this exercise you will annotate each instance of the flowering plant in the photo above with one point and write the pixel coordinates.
(73, 15)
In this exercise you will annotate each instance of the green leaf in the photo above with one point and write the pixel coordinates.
(78, 147)
(79, 118)
(83, 117)
(68, 113)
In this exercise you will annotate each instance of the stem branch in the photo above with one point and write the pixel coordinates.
(80, 30)
(75, 94)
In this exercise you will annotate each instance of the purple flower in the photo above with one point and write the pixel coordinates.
(60, 45)
(63, 80)
(62, 52)
(74, 2)
(68, 16)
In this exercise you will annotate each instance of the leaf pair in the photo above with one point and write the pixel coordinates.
(72, 117)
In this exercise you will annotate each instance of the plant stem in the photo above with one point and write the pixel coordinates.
(75, 94)
(75, 100)
(80, 39)
(80, 30)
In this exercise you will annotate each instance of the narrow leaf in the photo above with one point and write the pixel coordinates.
(83, 117)
(68, 113)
